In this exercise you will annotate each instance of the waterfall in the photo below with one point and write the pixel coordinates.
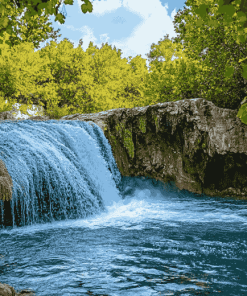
(60, 170)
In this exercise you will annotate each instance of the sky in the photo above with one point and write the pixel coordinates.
(130, 25)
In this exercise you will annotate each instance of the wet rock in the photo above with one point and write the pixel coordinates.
(201, 147)
(6, 183)
(7, 290)
(39, 118)
(7, 115)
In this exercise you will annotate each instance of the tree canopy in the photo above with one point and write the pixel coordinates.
(234, 17)
(219, 26)
(221, 49)
(10, 8)
(36, 30)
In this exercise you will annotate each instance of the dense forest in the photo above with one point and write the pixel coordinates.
(67, 80)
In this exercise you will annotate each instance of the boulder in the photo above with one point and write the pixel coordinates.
(200, 147)
(7, 290)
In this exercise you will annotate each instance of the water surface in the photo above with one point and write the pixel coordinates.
(75, 226)
(153, 242)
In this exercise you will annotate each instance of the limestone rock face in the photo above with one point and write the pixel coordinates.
(201, 147)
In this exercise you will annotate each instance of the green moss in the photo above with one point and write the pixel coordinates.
(142, 125)
(127, 138)
(117, 127)
(156, 123)
(188, 167)
(128, 143)
(200, 145)
(113, 140)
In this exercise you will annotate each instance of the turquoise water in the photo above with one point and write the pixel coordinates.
(78, 228)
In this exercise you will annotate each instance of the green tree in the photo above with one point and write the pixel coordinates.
(173, 80)
(107, 77)
(221, 49)
(19, 67)
(234, 14)
(36, 30)
(235, 22)
(34, 10)
(67, 80)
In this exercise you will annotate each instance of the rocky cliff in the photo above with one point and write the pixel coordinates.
(201, 147)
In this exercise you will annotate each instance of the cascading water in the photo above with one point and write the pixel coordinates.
(60, 170)
(86, 230)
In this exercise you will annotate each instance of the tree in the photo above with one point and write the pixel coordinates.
(115, 83)
(66, 80)
(34, 9)
(221, 49)
(235, 21)
(174, 80)
(229, 9)
(20, 66)
(36, 30)
(234, 15)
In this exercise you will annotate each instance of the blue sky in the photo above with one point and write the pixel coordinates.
(130, 25)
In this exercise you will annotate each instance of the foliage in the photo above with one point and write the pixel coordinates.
(32, 14)
(235, 22)
(19, 66)
(234, 17)
(173, 80)
(36, 30)
(225, 92)
(94, 80)
(242, 113)
(67, 80)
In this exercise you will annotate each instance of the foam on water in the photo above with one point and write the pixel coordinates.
(151, 202)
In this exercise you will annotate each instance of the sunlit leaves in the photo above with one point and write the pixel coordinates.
(229, 71)
(87, 7)
(67, 80)
(35, 9)
(235, 21)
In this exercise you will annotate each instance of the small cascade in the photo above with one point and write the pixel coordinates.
(60, 170)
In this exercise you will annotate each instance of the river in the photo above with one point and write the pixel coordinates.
(135, 236)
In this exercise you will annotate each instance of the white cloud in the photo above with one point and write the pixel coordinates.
(144, 8)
